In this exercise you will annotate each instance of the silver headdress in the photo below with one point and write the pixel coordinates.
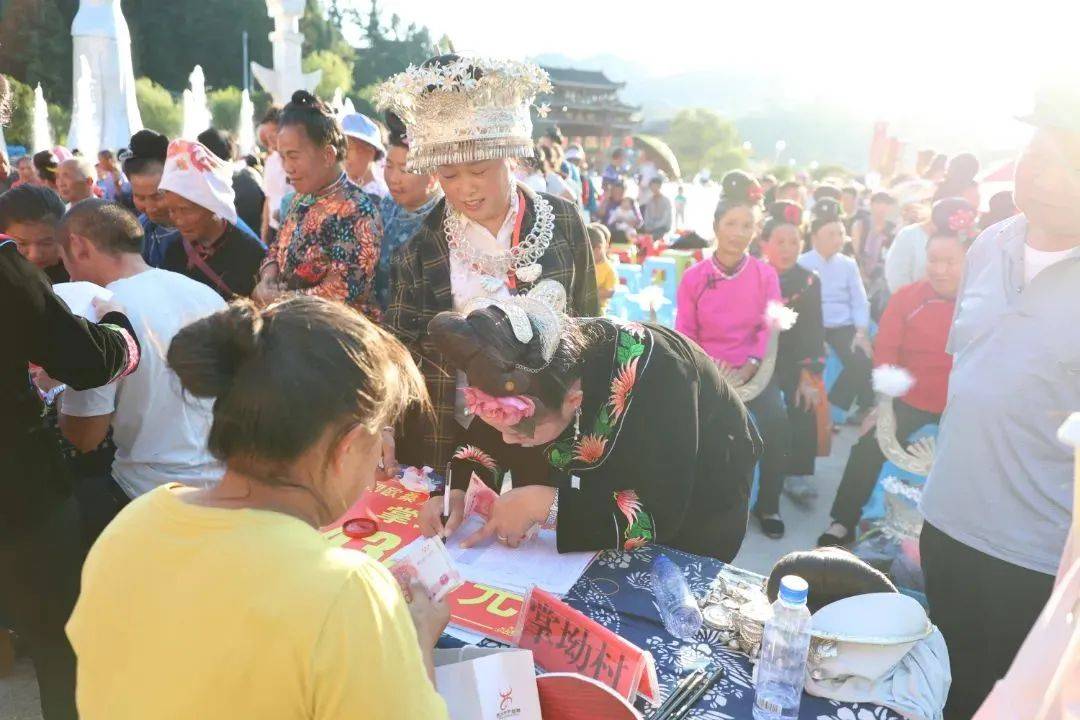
(542, 308)
(467, 110)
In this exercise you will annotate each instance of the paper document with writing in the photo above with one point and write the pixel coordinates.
(80, 297)
(536, 562)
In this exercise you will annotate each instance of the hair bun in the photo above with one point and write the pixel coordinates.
(304, 98)
(465, 341)
(787, 212)
(207, 354)
(828, 210)
(827, 191)
(396, 129)
(739, 187)
(454, 336)
(149, 145)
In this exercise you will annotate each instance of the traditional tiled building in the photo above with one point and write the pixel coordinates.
(585, 104)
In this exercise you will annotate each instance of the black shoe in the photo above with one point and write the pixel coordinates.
(772, 525)
(828, 539)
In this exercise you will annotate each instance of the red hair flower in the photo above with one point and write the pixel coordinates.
(962, 220)
(508, 410)
(754, 193)
(793, 214)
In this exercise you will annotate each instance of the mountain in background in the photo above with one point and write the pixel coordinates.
(757, 104)
(767, 108)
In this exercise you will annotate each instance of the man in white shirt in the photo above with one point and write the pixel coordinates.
(160, 433)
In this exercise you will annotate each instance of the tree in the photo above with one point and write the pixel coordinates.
(35, 46)
(696, 133)
(60, 120)
(159, 109)
(225, 108)
(382, 55)
(20, 129)
(720, 159)
(170, 38)
(336, 72)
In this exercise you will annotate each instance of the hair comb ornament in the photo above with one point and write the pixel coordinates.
(540, 311)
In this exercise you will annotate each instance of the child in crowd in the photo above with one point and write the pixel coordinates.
(680, 207)
(606, 280)
(626, 218)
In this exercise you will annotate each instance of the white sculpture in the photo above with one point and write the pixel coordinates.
(100, 34)
(196, 110)
(85, 127)
(42, 137)
(287, 75)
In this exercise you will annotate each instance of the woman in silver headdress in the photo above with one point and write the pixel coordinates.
(467, 121)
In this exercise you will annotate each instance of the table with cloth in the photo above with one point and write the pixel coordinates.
(615, 591)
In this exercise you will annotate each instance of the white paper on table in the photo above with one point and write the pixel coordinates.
(80, 297)
(536, 562)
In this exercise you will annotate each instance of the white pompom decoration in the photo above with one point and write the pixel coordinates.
(892, 380)
(779, 316)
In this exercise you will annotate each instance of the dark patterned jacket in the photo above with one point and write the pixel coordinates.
(420, 290)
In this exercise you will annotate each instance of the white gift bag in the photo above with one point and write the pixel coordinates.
(487, 683)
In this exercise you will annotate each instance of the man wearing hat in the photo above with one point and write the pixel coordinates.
(998, 500)
(211, 248)
(364, 153)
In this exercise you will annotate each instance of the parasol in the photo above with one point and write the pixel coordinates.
(665, 158)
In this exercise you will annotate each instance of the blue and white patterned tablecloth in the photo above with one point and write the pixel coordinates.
(615, 591)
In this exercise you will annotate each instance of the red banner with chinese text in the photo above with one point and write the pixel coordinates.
(479, 608)
(563, 639)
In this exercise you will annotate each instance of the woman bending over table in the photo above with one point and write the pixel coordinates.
(227, 602)
(640, 437)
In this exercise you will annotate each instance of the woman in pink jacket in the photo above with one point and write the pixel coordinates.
(723, 303)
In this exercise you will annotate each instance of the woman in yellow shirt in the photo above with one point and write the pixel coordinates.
(226, 602)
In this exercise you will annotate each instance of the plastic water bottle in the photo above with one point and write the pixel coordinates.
(678, 608)
(781, 669)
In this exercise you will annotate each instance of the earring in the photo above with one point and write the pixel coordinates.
(577, 423)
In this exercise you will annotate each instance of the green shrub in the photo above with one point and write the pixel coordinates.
(159, 109)
(225, 108)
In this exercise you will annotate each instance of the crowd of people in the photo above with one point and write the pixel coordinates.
(436, 282)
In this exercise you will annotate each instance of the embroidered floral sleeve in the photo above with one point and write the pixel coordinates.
(639, 524)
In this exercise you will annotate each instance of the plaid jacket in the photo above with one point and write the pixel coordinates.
(420, 287)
